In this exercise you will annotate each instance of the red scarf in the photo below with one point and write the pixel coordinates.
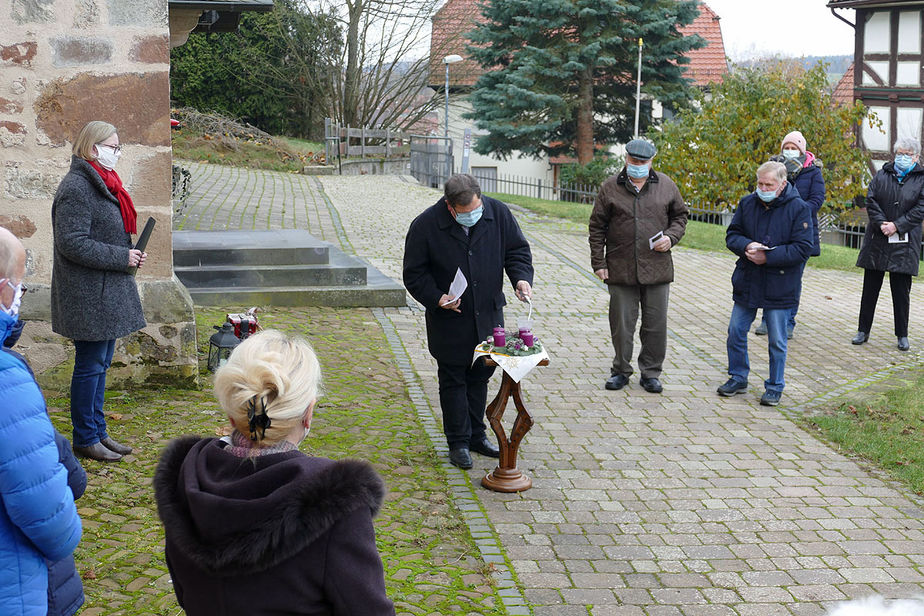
(114, 184)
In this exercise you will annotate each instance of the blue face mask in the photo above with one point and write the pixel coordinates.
(766, 195)
(637, 171)
(903, 161)
(468, 219)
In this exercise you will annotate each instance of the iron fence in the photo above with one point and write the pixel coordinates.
(833, 229)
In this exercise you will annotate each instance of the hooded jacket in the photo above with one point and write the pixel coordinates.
(623, 221)
(38, 519)
(277, 534)
(889, 200)
(811, 186)
(784, 225)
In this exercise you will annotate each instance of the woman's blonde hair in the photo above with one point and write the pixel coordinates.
(91, 134)
(279, 375)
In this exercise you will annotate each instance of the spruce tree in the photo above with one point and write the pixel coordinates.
(560, 74)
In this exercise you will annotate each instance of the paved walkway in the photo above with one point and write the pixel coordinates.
(681, 503)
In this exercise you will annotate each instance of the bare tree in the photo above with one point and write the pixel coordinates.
(384, 74)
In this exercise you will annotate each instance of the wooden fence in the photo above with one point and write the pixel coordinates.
(349, 142)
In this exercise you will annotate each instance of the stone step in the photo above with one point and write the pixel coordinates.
(275, 268)
(279, 247)
(222, 276)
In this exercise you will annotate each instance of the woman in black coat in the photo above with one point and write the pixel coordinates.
(94, 299)
(892, 243)
(253, 526)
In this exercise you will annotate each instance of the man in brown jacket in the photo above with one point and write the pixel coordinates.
(638, 216)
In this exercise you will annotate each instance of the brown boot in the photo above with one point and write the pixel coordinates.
(119, 448)
(97, 451)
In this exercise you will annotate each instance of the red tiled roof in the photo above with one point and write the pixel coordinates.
(458, 17)
(843, 91)
(707, 64)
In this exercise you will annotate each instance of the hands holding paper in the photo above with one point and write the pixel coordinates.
(453, 299)
(756, 253)
(659, 242)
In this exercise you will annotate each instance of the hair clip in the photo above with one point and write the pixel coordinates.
(255, 420)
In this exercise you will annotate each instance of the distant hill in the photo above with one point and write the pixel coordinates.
(837, 65)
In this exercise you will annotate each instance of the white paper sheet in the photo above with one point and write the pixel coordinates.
(458, 286)
(898, 238)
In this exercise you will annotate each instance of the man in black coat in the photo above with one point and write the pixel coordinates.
(479, 236)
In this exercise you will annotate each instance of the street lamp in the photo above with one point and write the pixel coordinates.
(447, 61)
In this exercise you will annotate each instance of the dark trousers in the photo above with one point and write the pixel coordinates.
(901, 300)
(88, 386)
(625, 301)
(463, 397)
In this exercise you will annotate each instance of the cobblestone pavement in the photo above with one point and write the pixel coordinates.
(681, 503)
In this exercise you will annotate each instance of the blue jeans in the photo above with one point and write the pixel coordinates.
(88, 386)
(791, 321)
(737, 344)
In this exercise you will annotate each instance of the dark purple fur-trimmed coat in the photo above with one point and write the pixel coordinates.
(282, 533)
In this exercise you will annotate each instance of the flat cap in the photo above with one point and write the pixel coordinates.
(641, 149)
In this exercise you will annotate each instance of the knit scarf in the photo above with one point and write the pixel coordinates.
(126, 207)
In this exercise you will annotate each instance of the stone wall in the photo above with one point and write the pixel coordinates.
(62, 64)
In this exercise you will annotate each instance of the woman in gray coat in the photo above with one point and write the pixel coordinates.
(94, 299)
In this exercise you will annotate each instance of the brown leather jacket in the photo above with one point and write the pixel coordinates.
(622, 222)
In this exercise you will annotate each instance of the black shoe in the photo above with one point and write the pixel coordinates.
(119, 448)
(770, 398)
(616, 382)
(484, 447)
(99, 452)
(652, 385)
(903, 344)
(860, 338)
(732, 387)
(460, 457)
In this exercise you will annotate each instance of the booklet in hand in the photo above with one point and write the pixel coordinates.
(143, 240)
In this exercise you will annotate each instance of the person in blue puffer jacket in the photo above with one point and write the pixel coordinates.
(38, 518)
(771, 233)
(803, 170)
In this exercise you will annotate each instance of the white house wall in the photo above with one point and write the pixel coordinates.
(514, 167)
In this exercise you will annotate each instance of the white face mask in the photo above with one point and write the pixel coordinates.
(106, 156)
(791, 153)
(13, 308)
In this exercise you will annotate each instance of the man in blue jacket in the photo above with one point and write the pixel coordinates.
(771, 233)
(479, 236)
(38, 519)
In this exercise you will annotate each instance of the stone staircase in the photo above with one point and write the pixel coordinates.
(276, 268)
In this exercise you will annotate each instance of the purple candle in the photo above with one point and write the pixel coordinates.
(527, 337)
(499, 338)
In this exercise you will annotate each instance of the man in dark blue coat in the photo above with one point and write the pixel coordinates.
(479, 236)
(771, 233)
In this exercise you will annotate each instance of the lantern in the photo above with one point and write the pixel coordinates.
(221, 344)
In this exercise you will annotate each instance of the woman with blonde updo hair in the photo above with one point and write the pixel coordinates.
(254, 526)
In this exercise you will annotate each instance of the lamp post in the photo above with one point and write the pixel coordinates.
(447, 61)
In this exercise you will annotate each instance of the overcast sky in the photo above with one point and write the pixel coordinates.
(754, 28)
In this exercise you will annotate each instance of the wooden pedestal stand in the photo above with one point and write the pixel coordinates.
(507, 477)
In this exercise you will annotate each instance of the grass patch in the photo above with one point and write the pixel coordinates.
(699, 235)
(432, 565)
(888, 431)
(188, 145)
